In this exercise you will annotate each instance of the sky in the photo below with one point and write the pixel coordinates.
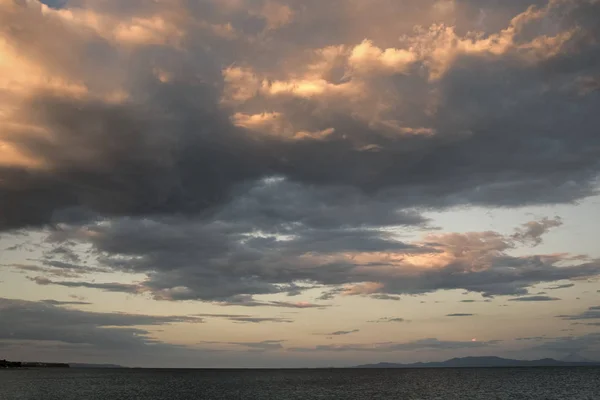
(279, 183)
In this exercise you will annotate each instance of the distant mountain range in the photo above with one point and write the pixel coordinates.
(484, 362)
(81, 365)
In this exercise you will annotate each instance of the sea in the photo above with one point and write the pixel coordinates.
(346, 384)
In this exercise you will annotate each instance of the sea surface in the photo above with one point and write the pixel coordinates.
(345, 384)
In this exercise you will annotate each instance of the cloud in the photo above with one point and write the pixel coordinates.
(532, 232)
(476, 301)
(257, 320)
(234, 152)
(164, 140)
(54, 3)
(571, 344)
(535, 298)
(459, 315)
(243, 300)
(222, 315)
(265, 345)
(245, 254)
(422, 344)
(48, 322)
(57, 268)
(564, 286)
(108, 287)
(389, 320)
(342, 333)
(591, 313)
(65, 303)
(242, 318)
(385, 297)
(146, 71)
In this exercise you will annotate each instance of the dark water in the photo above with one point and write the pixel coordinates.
(463, 384)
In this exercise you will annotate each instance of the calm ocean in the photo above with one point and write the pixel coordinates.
(346, 384)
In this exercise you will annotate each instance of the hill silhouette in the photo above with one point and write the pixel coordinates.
(483, 362)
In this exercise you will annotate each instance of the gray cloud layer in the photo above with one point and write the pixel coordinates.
(47, 322)
(572, 344)
(591, 313)
(223, 260)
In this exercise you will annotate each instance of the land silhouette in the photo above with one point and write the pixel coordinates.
(484, 362)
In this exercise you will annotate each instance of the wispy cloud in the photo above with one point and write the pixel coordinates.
(563, 286)
(108, 287)
(390, 320)
(392, 347)
(341, 333)
(49, 322)
(265, 345)
(535, 298)
(590, 313)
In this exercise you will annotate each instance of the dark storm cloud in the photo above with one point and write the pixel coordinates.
(535, 298)
(514, 118)
(142, 171)
(513, 152)
(164, 183)
(46, 322)
(278, 201)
